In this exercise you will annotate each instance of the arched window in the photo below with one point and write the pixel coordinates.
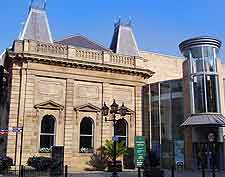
(86, 135)
(47, 136)
(121, 131)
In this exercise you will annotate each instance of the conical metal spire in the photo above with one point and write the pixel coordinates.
(37, 26)
(123, 41)
(38, 4)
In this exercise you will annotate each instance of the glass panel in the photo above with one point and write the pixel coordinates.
(121, 128)
(197, 65)
(46, 141)
(124, 140)
(177, 116)
(86, 142)
(211, 90)
(196, 52)
(47, 124)
(199, 94)
(86, 126)
(155, 127)
(165, 110)
(155, 112)
(209, 59)
(224, 89)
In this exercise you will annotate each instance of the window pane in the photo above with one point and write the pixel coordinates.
(165, 110)
(121, 128)
(86, 126)
(209, 59)
(124, 140)
(46, 141)
(86, 142)
(211, 90)
(197, 65)
(155, 113)
(199, 94)
(196, 52)
(47, 124)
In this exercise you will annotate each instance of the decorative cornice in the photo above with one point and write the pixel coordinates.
(57, 54)
(81, 64)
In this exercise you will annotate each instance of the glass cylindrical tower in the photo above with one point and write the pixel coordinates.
(201, 54)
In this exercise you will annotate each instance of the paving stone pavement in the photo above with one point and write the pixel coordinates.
(135, 174)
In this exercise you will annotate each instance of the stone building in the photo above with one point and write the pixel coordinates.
(55, 90)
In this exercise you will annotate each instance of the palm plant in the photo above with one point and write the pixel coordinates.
(107, 149)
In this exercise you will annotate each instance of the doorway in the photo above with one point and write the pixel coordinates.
(209, 154)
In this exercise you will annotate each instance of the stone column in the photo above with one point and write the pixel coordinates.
(69, 115)
(138, 110)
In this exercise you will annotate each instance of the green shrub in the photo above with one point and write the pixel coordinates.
(40, 163)
(98, 161)
(5, 162)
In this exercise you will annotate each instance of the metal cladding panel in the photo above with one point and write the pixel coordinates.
(37, 27)
(205, 119)
(124, 41)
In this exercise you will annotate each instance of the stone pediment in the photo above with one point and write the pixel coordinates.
(49, 105)
(87, 108)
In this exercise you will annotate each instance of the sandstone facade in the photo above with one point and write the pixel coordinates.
(69, 84)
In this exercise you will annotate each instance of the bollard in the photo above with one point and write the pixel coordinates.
(66, 171)
(139, 171)
(213, 170)
(22, 171)
(172, 171)
(19, 171)
(203, 170)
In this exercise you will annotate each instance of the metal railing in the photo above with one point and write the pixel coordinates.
(24, 171)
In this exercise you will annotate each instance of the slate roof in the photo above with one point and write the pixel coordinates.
(123, 41)
(205, 119)
(37, 26)
(82, 42)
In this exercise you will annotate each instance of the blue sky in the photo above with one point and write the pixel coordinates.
(159, 25)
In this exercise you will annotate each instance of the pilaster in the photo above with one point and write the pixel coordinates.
(69, 111)
(138, 110)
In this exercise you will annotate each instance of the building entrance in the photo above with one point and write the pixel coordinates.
(208, 154)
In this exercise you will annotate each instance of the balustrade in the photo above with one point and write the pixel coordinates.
(73, 53)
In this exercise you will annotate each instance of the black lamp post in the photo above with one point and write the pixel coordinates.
(114, 109)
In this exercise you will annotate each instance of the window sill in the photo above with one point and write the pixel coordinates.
(86, 154)
(41, 152)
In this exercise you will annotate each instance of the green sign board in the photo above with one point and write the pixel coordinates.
(140, 150)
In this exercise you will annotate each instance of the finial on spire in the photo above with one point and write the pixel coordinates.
(117, 23)
(38, 4)
(129, 21)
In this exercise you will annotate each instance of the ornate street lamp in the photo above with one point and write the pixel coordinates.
(114, 109)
